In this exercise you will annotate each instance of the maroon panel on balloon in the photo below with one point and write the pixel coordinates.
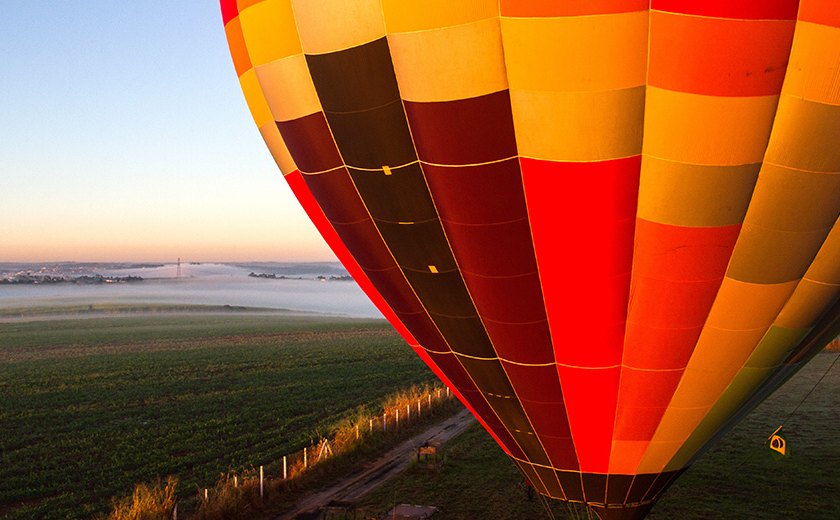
(465, 131)
(493, 297)
(643, 397)
(337, 196)
(310, 143)
(394, 288)
(493, 250)
(521, 342)
(363, 241)
(590, 402)
(480, 194)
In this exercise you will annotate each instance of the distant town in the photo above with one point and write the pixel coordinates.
(47, 277)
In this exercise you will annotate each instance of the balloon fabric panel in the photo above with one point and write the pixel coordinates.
(566, 208)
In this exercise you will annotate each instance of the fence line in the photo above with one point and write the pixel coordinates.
(341, 440)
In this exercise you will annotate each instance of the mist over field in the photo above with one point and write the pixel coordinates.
(320, 287)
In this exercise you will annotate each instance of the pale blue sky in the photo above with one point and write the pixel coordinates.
(125, 136)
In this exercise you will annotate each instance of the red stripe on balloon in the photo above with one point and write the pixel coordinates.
(229, 10)
(740, 9)
(582, 218)
(546, 8)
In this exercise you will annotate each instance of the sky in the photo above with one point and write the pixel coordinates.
(124, 136)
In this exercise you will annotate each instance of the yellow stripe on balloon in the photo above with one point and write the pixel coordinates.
(333, 25)
(288, 88)
(451, 63)
(402, 16)
(605, 52)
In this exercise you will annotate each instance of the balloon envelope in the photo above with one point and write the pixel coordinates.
(609, 226)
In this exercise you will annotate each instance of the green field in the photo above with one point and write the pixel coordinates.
(88, 407)
(738, 479)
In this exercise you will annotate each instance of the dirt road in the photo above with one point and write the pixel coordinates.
(380, 471)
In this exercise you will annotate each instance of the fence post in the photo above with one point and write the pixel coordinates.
(408, 412)
(285, 475)
(175, 512)
(305, 462)
(205, 494)
(357, 431)
(430, 400)
(397, 425)
(235, 481)
(371, 424)
(261, 482)
(418, 407)
(447, 391)
(384, 424)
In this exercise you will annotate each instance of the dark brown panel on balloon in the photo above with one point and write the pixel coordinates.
(310, 143)
(549, 479)
(465, 131)
(570, 480)
(337, 196)
(373, 138)
(442, 292)
(640, 487)
(531, 475)
(364, 243)
(617, 488)
(465, 335)
(482, 194)
(354, 79)
(418, 245)
(400, 196)
(595, 487)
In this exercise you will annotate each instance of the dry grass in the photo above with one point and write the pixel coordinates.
(148, 502)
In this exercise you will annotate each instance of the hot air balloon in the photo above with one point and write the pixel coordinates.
(609, 226)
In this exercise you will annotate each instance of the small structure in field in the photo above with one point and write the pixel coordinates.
(411, 512)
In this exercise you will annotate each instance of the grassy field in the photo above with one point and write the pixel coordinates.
(738, 479)
(88, 407)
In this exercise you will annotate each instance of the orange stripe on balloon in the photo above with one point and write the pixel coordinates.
(823, 12)
(718, 57)
(545, 8)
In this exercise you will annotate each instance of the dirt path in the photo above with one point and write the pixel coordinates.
(380, 471)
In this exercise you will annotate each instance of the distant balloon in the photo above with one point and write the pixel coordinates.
(610, 226)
